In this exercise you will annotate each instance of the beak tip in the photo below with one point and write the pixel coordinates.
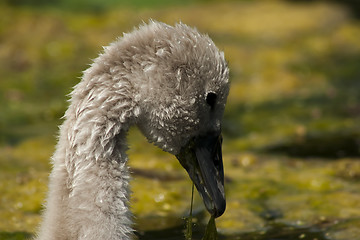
(219, 209)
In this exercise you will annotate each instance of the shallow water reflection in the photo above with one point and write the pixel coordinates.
(271, 232)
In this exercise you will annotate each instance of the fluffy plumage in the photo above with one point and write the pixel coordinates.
(156, 77)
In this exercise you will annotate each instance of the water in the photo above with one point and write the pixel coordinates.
(273, 231)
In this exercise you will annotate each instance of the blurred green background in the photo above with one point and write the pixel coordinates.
(291, 126)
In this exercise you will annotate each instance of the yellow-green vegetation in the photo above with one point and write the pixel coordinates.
(211, 231)
(189, 219)
(295, 93)
(267, 189)
(23, 184)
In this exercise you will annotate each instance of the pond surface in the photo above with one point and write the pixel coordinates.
(268, 196)
(272, 232)
(277, 232)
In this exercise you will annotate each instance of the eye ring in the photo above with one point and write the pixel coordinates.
(211, 99)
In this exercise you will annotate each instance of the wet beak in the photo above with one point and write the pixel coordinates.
(202, 159)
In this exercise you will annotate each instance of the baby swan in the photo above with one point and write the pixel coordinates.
(170, 81)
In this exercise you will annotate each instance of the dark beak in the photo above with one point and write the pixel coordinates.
(202, 159)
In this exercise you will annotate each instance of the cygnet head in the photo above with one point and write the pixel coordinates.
(186, 88)
(180, 82)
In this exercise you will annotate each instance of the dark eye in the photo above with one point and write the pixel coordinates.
(211, 99)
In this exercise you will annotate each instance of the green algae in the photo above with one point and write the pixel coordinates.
(348, 169)
(293, 192)
(344, 229)
(189, 219)
(260, 189)
(210, 231)
(15, 235)
(23, 184)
